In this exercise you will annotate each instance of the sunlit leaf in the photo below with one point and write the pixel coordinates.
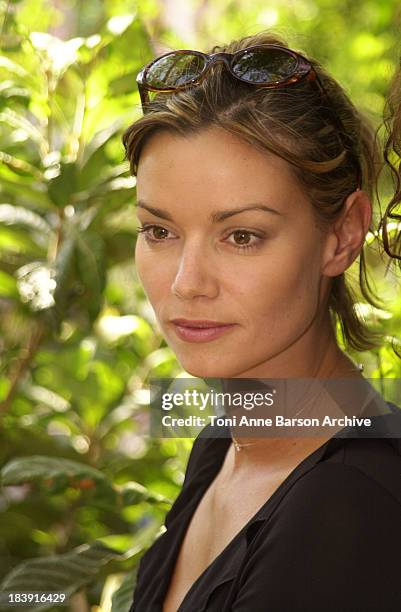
(19, 215)
(28, 469)
(122, 597)
(64, 573)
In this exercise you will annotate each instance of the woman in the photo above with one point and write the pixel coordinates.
(254, 175)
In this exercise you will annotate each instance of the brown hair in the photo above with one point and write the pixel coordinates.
(392, 156)
(293, 123)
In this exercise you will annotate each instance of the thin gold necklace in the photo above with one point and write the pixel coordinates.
(238, 446)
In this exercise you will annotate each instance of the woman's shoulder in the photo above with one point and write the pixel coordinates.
(336, 533)
(372, 463)
(358, 472)
(375, 459)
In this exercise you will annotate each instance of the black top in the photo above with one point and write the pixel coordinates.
(329, 538)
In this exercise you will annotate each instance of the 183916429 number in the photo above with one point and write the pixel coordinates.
(18, 598)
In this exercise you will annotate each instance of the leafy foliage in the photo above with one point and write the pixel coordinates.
(84, 488)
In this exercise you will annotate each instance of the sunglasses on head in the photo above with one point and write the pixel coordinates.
(268, 66)
(262, 65)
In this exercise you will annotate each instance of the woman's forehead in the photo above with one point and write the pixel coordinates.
(214, 166)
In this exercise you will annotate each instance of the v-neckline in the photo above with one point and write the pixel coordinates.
(260, 515)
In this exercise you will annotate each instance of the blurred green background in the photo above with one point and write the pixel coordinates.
(84, 488)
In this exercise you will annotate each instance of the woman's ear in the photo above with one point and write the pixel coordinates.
(345, 238)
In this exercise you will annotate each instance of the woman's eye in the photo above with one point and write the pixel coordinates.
(153, 233)
(245, 239)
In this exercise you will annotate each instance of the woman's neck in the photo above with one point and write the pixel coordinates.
(310, 398)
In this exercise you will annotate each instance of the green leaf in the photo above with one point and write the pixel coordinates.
(13, 67)
(133, 493)
(63, 186)
(8, 285)
(24, 189)
(140, 540)
(123, 84)
(13, 240)
(100, 139)
(64, 267)
(15, 120)
(12, 94)
(64, 259)
(120, 246)
(122, 597)
(39, 467)
(97, 183)
(64, 573)
(20, 166)
(19, 215)
(91, 268)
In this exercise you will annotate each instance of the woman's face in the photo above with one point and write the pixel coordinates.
(203, 257)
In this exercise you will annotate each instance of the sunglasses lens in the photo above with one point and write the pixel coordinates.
(174, 70)
(264, 65)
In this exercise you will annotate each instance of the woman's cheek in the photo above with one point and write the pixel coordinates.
(154, 276)
(288, 297)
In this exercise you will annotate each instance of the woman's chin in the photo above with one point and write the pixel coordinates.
(210, 370)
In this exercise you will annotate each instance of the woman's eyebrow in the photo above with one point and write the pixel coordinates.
(215, 217)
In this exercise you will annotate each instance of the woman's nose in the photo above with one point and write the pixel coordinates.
(195, 275)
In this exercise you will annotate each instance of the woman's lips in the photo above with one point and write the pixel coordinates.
(200, 334)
